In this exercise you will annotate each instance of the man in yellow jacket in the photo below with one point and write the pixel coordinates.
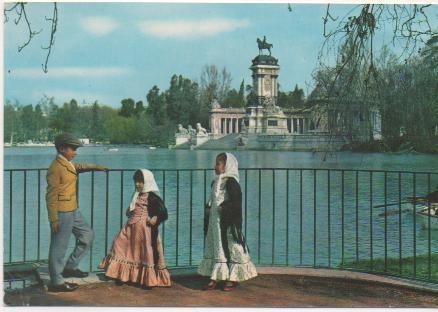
(64, 216)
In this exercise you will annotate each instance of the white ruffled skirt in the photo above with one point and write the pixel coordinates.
(214, 263)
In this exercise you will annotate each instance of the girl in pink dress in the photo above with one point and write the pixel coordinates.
(137, 254)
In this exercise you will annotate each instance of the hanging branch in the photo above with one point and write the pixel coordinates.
(54, 21)
(19, 10)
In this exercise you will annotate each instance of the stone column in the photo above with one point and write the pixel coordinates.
(298, 125)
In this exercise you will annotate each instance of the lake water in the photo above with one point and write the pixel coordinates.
(285, 221)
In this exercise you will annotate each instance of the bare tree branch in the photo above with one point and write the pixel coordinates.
(18, 10)
(54, 21)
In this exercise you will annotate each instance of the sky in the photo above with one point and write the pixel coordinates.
(111, 51)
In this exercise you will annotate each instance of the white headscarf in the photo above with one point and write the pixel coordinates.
(149, 186)
(231, 171)
(231, 167)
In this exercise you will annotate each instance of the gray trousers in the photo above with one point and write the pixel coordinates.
(69, 222)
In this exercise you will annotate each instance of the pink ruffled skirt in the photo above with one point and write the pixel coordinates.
(134, 257)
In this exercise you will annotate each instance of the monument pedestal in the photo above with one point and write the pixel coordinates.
(197, 140)
(181, 139)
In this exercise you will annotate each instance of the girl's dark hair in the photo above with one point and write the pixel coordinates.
(222, 157)
(138, 176)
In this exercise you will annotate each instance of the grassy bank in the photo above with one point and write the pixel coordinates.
(407, 266)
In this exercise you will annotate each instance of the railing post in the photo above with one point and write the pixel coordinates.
(121, 198)
(246, 200)
(25, 212)
(415, 224)
(39, 214)
(177, 215)
(287, 217)
(429, 267)
(314, 217)
(400, 255)
(301, 216)
(10, 215)
(191, 212)
(342, 217)
(260, 215)
(164, 201)
(92, 217)
(386, 221)
(357, 215)
(328, 218)
(273, 216)
(106, 209)
(205, 199)
(371, 221)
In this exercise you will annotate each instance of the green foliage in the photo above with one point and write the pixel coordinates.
(128, 108)
(405, 94)
(235, 98)
(156, 105)
(182, 100)
(290, 100)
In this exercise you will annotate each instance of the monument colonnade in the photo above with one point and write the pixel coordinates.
(225, 124)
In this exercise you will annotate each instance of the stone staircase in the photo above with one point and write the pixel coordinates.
(225, 143)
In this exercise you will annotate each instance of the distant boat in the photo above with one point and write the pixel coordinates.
(152, 147)
(423, 215)
(113, 149)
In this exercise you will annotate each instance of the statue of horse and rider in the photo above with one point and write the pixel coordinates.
(264, 45)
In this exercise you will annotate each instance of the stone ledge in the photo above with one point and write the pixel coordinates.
(296, 271)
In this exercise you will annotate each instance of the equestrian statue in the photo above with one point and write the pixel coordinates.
(264, 45)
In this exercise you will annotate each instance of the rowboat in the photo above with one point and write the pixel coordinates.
(423, 215)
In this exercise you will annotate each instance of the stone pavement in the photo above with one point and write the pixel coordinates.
(266, 290)
(324, 273)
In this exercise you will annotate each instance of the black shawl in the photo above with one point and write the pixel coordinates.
(156, 208)
(231, 216)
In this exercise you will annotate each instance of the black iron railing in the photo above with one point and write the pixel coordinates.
(332, 218)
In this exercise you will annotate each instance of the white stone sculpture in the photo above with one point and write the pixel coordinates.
(200, 131)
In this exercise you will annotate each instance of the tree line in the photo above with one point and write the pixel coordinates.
(185, 101)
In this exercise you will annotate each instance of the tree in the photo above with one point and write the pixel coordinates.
(139, 108)
(182, 100)
(214, 84)
(128, 108)
(236, 98)
(156, 105)
(290, 100)
(120, 129)
(354, 86)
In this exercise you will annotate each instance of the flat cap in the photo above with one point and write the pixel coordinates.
(67, 139)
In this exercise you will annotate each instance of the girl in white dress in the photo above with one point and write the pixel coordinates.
(226, 255)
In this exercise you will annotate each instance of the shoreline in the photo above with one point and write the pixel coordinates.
(350, 150)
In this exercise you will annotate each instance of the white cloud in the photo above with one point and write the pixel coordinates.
(190, 28)
(98, 26)
(62, 72)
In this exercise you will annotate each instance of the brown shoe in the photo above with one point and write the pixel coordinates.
(210, 286)
(229, 286)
